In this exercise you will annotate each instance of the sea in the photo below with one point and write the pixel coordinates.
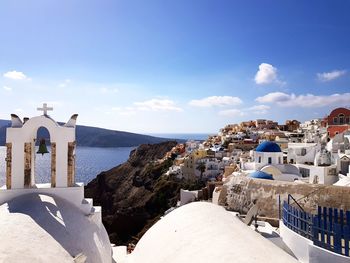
(90, 161)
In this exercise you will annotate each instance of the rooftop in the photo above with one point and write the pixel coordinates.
(184, 236)
(51, 230)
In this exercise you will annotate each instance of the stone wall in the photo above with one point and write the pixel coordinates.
(8, 165)
(241, 191)
(27, 164)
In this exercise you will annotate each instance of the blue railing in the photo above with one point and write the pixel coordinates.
(329, 228)
(297, 220)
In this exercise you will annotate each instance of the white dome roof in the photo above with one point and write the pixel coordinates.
(41, 228)
(206, 233)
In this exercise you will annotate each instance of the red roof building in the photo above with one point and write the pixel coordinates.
(337, 121)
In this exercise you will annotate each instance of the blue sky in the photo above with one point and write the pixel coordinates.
(160, 66)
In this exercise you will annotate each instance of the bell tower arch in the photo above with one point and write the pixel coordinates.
(20, 142)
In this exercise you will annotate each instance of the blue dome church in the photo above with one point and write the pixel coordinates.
(266, 162)
(267, 153)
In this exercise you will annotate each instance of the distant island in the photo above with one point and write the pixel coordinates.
(97, 137)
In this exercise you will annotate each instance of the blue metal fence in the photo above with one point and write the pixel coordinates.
(329, 228)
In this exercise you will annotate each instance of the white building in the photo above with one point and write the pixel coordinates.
(47, 222)
(312, 125)
(213, 168)
(339, 146)
(301, 153)
(192, 145)
(175, 171)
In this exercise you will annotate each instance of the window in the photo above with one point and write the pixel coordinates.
(332, 172)
(269, 160)
(279, 160)
(259, 159)
(335, 120)
(341, 118)
(304, 172)
(303, 152)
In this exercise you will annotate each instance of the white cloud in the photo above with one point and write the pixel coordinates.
(216, 101)
(267, 74)
(157, 105)
(257, 109)
(16, 75)
(328, 76)
(273, 97)
(7, 88)
(305, 101)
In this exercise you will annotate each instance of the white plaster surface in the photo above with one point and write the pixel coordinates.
(320, 255)
(206, 233)
(73, 195)
(297, 243)
(41, 228)
(306, 251)
(276, 158)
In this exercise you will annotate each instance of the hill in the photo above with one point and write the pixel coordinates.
(4, 123)
(136, 193)
(96, 137)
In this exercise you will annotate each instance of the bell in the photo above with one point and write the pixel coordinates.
(42, 147)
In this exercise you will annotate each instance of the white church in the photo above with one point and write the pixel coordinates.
(47, 222)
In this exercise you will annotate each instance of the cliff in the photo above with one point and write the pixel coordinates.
(135, 194)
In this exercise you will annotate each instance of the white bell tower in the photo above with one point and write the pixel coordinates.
(20, 159)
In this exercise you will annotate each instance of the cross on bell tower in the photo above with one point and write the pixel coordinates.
(45, 109)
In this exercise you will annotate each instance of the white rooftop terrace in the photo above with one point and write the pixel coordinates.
(206, 233)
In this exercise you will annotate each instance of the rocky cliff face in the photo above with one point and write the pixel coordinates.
(133, 195)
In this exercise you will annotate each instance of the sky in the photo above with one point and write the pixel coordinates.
(185, 66)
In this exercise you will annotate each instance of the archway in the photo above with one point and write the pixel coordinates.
(42, 161)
